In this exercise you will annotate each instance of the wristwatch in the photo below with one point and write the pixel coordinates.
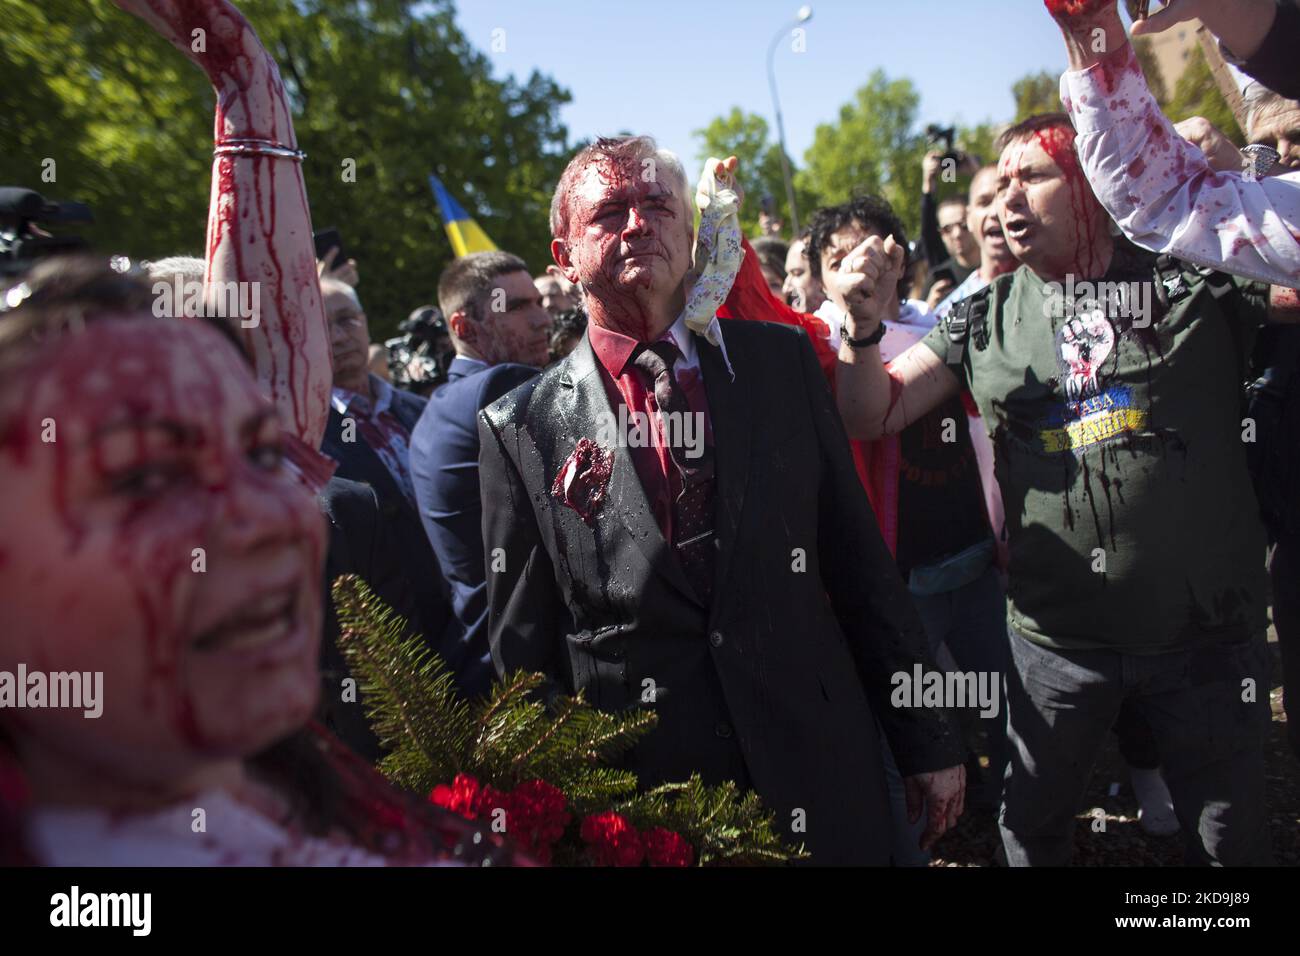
(1258, 161)
(872, 339)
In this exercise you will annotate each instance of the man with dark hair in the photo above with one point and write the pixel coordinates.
(947, 244)
(501, 334)
(800, 290)
(1136, 567)
(925, 485)
(865, 215)
(736, 584)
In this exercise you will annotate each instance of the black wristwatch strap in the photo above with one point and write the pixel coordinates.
(872, 339)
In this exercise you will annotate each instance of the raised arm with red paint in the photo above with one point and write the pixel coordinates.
(259, 227)
(1157, 187)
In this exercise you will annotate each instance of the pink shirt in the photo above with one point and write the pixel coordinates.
(1162, 193)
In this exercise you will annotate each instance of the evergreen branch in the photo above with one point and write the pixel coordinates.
(567, 708)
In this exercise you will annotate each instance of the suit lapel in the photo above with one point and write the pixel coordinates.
(584, 404)
(730, 415)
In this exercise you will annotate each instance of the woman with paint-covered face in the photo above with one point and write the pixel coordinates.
(160, 532)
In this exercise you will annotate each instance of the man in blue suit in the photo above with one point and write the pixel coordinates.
(501, 335)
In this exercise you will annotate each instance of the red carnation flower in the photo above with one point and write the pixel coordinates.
(612, 840)
(467, 797)
(667, 848)
(536, 816)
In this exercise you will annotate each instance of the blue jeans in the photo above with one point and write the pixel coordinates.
(1062, 705)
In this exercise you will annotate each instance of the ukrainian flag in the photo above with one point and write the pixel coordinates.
(465, 234)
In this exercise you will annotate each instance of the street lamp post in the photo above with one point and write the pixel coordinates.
(803, 16)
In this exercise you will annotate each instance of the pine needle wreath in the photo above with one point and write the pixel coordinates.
(475, 754)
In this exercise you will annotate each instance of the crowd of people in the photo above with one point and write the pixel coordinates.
(1054, 443)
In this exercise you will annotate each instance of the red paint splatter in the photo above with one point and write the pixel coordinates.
(1069, 9)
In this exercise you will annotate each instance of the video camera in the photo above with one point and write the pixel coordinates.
(23, 241)
(945, 136)
(419, 357)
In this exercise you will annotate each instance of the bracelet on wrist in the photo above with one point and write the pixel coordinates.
(257, 147)
(862, 343)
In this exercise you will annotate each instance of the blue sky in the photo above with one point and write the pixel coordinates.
(668, 67)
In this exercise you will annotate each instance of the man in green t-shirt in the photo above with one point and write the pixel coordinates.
(1110, 385)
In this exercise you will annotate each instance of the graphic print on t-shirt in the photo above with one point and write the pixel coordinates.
(1092, 412)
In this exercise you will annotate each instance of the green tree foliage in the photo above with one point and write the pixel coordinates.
(978, 141)
(1036, 93)
(873, 148)
(391, 84)
(1196, 94)
(745, 136)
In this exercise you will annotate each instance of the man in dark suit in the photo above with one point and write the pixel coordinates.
(500, 332)
(359, 543)
(727, 573)
(368, 434)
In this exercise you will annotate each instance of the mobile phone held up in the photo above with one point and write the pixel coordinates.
(327, 239)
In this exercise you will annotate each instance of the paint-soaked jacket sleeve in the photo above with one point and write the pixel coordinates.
(1161, 191)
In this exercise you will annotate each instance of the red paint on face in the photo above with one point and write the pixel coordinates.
(163, 444)
(629, 245)
(1031, 207)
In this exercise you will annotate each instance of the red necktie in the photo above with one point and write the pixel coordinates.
(693, 508)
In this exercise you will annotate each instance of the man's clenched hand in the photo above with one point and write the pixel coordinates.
(942, 794)
(865, 285)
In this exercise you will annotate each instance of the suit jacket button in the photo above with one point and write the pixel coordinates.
(716, 638)
(723, 729)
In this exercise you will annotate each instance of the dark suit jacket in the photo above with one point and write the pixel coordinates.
(780, 682)
(358, 544)
(403, 532)
(444, 470)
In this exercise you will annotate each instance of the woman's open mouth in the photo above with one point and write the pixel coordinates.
(262, 622)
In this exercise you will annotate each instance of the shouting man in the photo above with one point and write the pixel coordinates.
(1136, 571)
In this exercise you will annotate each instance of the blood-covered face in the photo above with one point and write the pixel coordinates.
(628, 244)
(802, 291)
(983, 222)
(512, 325)
(149, 531)
(1052, 220)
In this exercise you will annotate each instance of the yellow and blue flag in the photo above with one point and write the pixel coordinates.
(465, 234)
